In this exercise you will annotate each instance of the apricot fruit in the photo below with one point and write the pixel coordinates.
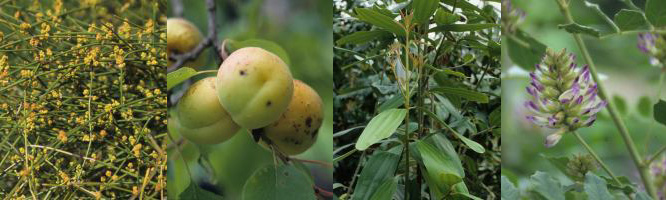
(201, 118)
(296, 130)
(183, 36)
(255, 86)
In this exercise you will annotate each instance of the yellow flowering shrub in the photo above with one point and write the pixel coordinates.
(77, 79)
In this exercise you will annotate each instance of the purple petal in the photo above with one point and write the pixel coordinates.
(531, 90)
(579, 100)
(590, 120)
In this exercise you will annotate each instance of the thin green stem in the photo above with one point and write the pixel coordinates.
(655, 156)
(624, 132)
(596, 157)
(406, 142)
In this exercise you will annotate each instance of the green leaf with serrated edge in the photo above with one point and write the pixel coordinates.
(178, 76)
(462, 92)
(362, 37)
(264, 44)
(546, 186)
(193, 192)
(423, 10)
(443, 17)
(282, 182)
(629, 20)
(462, 27)
(656, 13)
(440, 168)
(380, 127)
(509, 191)
(659, 112)
(644, 106)
(378, 169)
(524, 50)
(595, 187)
(580, 29)
(386, 190)
(377, 19)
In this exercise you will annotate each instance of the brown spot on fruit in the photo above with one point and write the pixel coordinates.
(308, 122)
(242, 72)
(268, 103)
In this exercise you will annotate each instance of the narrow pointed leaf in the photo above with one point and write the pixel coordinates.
(462, 92)
(363, 37)
(462, 27)
(380, 127)
(379, 20)
(423, 10)
(178, 76)
(440, 168)
(375, 172)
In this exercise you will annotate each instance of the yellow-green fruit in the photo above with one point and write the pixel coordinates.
(201, 118)
(254, 86)
(183, 36)
(296, 130)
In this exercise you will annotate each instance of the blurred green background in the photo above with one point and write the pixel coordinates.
(628, 78)
(304, 29)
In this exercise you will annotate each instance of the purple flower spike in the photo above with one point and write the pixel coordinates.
(555, 107)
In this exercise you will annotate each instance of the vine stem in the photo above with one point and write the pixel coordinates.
(624, 132)
(596, 157)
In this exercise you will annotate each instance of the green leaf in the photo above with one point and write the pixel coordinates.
(659, 112)
(394, 102)
(380, 127)
(546, 186)
(628, 20)
(386, 190)
(443, 17)
(495, 117)
(264, 44)
(379, 168)
(440, 168)
(524, 50)
(655, 12)
(609, 26)
(470, 143)
(580, 29)
(194, 192)
(642, 195)
(462, 92)
(644, 106)
(423, 10)
(178, 76)
(463, 5)
(620, 104)
(362, 37)
(445, 147)
(282, 182)
(509, 192)
(379, 20)
(595, 187)
(462, 27)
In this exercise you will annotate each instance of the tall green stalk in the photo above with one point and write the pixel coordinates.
(408, 92)
(624, 132)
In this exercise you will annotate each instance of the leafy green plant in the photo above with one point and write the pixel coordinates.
(421, 80)
(562, 95)
(82, 105)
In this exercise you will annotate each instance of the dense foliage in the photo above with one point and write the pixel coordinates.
(424, 73)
